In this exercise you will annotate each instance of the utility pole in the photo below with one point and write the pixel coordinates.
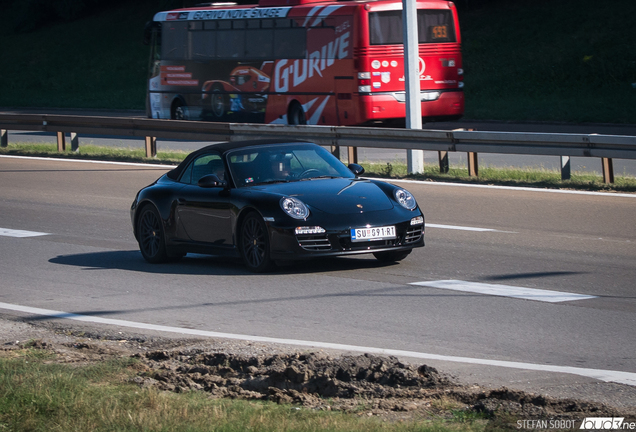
(414, 158)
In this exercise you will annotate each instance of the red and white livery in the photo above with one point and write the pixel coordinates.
(302, 62)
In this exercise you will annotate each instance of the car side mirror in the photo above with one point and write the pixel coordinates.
(210, 181)
(356, 169)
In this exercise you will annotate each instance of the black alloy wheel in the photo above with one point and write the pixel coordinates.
(391, 256)
(150, 235)
(255, 244)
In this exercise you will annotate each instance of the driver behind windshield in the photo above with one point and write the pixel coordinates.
(280, 166)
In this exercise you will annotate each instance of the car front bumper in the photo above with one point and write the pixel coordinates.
(287, 245)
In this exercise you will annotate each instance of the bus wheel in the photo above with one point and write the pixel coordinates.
(218, 101)
(178, 111)
(296, 115)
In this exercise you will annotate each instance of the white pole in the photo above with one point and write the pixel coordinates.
(414, 158)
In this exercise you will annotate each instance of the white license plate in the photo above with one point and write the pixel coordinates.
(377, 233)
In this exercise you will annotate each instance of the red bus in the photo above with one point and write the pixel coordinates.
(302, 62)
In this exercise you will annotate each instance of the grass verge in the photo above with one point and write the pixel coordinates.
(118, 154)
(527, 177)
(530, 177)
(37, 394)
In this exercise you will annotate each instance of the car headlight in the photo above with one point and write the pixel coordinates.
(294, 208)
(405, 198)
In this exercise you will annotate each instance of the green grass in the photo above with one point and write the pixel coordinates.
(530, 177)
(37, 394)
(120, 154)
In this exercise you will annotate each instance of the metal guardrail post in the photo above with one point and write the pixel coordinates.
(565, 168)
(443, 162)
(608, 170)
(335, 150)
(352, 156)
(151, 147)
(61, 142)
(473, 164)
(74, 142)
(4, 138)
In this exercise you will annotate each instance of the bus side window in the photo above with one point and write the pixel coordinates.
(204, 42)
(290, 43)
(230, 44)
(174, 41)
(260, 44)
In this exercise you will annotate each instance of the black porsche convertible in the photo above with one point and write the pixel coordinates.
(266, 201)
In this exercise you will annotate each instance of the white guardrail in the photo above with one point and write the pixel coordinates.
(606, 147)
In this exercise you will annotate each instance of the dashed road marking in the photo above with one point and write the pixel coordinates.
(462, 228)
(505, 291)
(20, 233)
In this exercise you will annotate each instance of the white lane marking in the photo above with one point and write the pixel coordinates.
(20, 233)
(621, 377)
(90, 161)
(462, 228)
(505, 291)
(514, 188)
(390, 180)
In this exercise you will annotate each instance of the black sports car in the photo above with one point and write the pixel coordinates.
(266, 201)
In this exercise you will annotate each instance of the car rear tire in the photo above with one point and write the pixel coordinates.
(255, 244)
(150, 236)
(391, 256)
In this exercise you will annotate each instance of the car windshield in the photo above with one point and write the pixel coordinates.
(281, 163)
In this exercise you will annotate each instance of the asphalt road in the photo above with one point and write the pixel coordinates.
(580, 243)
(578, 164)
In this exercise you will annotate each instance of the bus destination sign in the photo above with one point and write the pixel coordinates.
(252, 13)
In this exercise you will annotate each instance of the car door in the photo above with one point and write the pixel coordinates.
(205, 213)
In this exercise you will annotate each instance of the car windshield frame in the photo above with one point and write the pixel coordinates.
(283, 163)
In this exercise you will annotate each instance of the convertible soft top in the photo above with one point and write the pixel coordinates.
(223, 147)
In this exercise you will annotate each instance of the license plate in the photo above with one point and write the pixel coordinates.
(377, 233)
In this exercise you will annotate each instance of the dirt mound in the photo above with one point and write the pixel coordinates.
(365, 385)
(375, 385)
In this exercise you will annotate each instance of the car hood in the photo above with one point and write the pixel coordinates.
(336, 196)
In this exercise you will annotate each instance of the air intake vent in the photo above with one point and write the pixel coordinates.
(314, 242)
(413, 234)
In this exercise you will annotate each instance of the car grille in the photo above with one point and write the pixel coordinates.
(413, 234)
(314, 242)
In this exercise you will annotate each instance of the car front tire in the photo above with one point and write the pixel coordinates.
(255, 244)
